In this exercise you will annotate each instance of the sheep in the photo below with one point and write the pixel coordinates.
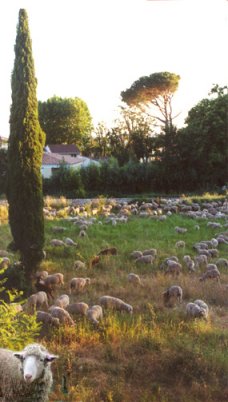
(114, 303)
(79, 264)
(108, 251)
(180, 244)
(189, 263)
(222, 262)
(136, 254)
(145, 259)
(57, 243)
(211, 274)
(58, 229)
(200, 260)
(194, 310)
(202, 304)
(69, 242)
(174, 268)
(63, 315)
(78, 284)
(36, 300)
(54, 279)
(151, 251)
(213, 252)
(62, 301)
(47, 319)
(173, 294)
(4, 262)
(94, 314)
(82, 233)
(26, 375)
(77, 308)
(41, 275)
(134, 279)
(50, 284)
(180, 230)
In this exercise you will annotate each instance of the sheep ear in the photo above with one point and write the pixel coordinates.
(19, 355)
(49, 358)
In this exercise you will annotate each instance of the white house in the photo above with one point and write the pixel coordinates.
(52, 162)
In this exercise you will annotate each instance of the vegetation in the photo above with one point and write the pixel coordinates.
(26, 141)
(65, 121)
(156, 354)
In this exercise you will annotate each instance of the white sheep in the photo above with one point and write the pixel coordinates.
(211, 273)
(57, 243)
(180, 230)
(95, 314)
(78, 284)
(82, 233)
(79, 264)
(77, 308)
(63, 315)
(136, 254)
(222, 262)
(36, 301)
(115, 303)
(26, 375)
(151, 251)
(172, 295)
(202, 304)
(194, 310)
(134, 279)
(173, 268)
(41, 275)
(180, 244)
(200, 261)
(62, 301)
(47, 319)
(69, 242)
(145, 259)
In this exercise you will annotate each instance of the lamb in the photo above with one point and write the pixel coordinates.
(145, 259)
(79, 264)
(26, 375)
(57, 243)
(46, 319)
(134, 279)
(63, 315)
(78, 284)
(77, 308)
(114, 303)
(36, 300)
(94, 314)
(173, 294)
(62, 301)
(194, 310)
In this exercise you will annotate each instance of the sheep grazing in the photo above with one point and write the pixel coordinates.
(77, 308)
(222, 263)
(57, 243)
(26, 375)
(41, 275)
(189, 263)
(211, 273)
(145, 259)
(95, 314)
(82, 233)
(114, 303)
(78, 284)
(69, 242)
(202, 304)
(62, 301)
(58, 229)
(35, 301)
(136, 254)
(213, 252)
(172, 295)
(180, 244)
(173, 268)
(79, 264)
(151, 251)
(63, 315)
(108, 251)
(194, 310)
(46, 319)
(50, 284)
(200, 261)
(134, 279)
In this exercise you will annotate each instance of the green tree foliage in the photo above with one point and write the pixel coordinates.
(65, 121)
(155, 90)
(203, 143)
(26, 141)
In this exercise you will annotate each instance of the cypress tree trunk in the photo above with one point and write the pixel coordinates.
(26, 141)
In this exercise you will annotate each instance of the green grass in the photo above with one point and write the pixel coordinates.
(155, 355)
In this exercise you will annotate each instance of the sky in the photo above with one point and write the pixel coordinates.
(94, 49)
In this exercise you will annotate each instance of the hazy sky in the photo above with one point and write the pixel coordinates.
(94, 49)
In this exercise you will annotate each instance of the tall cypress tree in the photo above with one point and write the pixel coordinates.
(26, 141)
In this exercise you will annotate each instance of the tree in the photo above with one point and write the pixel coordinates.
(26, 141)
(154, 90)
(3, 170)
(65, 120)
(203, 143)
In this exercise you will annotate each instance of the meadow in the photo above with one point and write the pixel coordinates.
(156, 354)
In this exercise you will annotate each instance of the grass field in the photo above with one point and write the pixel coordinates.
(156, 354)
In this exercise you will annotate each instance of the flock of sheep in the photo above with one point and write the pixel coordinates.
(52, 310)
